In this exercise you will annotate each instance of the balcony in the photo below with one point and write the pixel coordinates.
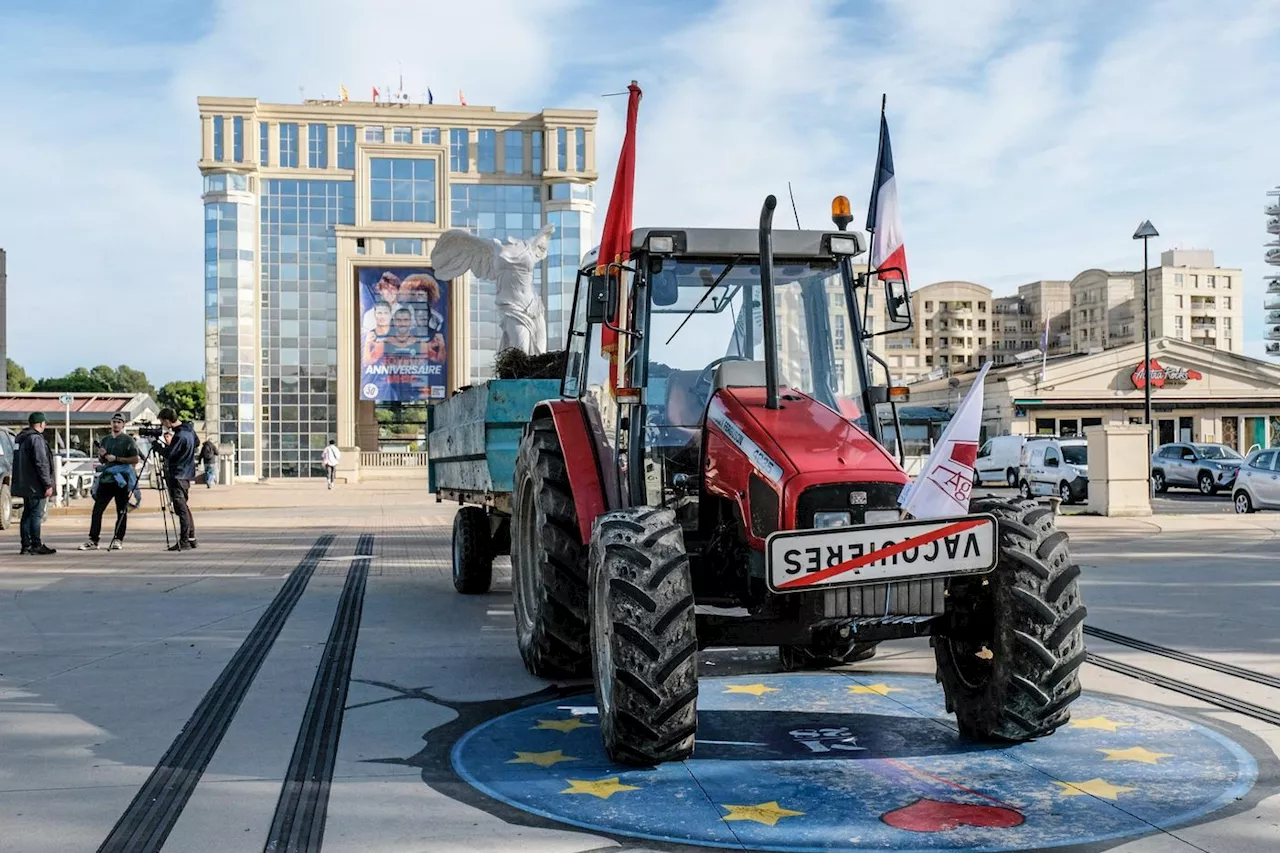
(1273, 225)
(1271, 303)
(1199, 303)
(1273, 283)
(1272, 209)
(1273, 256)
(1273, 333)
(1204, 326)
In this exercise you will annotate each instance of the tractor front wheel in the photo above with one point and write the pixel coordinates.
(644, 640)
(1009, 659)
(548, 573)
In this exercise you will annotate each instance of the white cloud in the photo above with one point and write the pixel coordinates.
(1029, 140)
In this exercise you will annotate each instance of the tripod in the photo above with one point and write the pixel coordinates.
(162, 487)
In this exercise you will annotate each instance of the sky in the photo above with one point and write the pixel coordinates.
(1030, 138)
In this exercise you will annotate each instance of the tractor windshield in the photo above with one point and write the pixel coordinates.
(705, 312)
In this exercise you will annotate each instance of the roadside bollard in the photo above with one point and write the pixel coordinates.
(1055, 504)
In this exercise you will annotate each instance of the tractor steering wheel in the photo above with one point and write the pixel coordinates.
(702, 386)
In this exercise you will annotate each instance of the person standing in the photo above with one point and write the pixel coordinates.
(179, 453)
(33, 482)
(116, 481)
(209, 456)
(331, 456)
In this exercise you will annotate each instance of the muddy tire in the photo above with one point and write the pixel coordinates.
(472, 551)
(814, 657)
(1028, 614)
(548, 572)
(644, 640)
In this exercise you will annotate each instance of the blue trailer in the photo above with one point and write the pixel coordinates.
(472, 442)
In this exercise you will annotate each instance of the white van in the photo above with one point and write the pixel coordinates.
(999, 458)
(1058, 466)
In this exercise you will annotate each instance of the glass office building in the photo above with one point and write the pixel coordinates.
(331, 187)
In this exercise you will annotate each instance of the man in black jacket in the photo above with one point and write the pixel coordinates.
(179, 453)
(33, 482)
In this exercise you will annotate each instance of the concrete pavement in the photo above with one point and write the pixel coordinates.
(104, 657)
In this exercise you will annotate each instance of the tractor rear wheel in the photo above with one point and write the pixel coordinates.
(472, 551)
(811, 657)
(548, 573)
(644, 640)
(1009, 659)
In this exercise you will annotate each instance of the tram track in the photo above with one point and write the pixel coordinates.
(1204, 694)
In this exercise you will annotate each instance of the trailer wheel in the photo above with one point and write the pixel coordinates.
(811, 657)
(472, 551)
(643, 637)
(1009, 659)
(548, 572)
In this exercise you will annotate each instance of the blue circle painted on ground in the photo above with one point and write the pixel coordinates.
(845, 761)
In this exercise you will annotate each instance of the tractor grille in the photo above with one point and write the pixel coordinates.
(905, 598)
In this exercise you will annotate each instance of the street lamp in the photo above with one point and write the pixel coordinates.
(1144, 233)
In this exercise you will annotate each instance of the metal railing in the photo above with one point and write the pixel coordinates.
(392, 459)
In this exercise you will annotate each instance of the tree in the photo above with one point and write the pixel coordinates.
(184, 397)
(79, 381)
(17, 378)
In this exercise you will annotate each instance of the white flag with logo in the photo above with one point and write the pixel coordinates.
(943, 486)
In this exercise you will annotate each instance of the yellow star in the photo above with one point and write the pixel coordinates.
(542, 759)
(602, 788)
(753, 689)
(1097, 723)
(767, 813)
(565, 726)
(1134, 753)
(1094, 787)
(878, 689)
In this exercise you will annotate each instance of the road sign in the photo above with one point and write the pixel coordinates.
(66, 399)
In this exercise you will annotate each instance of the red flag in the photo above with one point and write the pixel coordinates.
(375, 93)
(462, 99)
(615, 242)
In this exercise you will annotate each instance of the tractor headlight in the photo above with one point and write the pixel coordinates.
(883, 516)
(832, 519)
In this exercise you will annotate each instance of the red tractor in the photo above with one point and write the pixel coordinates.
(733, 489)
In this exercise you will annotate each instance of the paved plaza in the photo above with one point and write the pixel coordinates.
(308, 677)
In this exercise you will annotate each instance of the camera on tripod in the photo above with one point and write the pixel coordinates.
(149, 429)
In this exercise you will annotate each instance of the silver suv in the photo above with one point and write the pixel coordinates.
(1258, 484)
(1206, 467)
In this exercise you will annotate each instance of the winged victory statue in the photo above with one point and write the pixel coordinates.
(510, 265)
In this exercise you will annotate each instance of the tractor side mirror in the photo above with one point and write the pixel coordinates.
(602, 298)
(897, 297)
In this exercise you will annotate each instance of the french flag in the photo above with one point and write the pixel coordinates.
(883, 216)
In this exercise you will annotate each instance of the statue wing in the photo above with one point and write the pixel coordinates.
(456, 252)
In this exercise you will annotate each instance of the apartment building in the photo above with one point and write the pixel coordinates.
(952, 331)
(1018, 321)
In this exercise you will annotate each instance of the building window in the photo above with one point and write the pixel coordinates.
(402, 134)
(562, 149)
(1226, 282)
(459, 156)
(535, 145)
(1177, 278)
(237, 139)
(1177, 327)
(982, 306)
(402, 246)
(264, 143)
(513, 152)
(217, 138)
(928, 306)
(839, 332)
(430, 136)
(375, 134)
(346, 146)
(1195, 280)
(402, 190)
(1179, 300)
(486, 151)
(1226, 324)
(1226, 302)
(289, 144)
(318, 146)
(580, 148)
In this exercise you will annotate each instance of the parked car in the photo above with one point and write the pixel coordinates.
(1055, 466)
(1206, 467)
(1258, 483)
(999, 458)
(6, 478)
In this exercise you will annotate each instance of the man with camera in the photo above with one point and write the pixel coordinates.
(179, 453)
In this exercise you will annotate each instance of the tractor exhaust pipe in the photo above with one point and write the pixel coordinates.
(767, 304)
